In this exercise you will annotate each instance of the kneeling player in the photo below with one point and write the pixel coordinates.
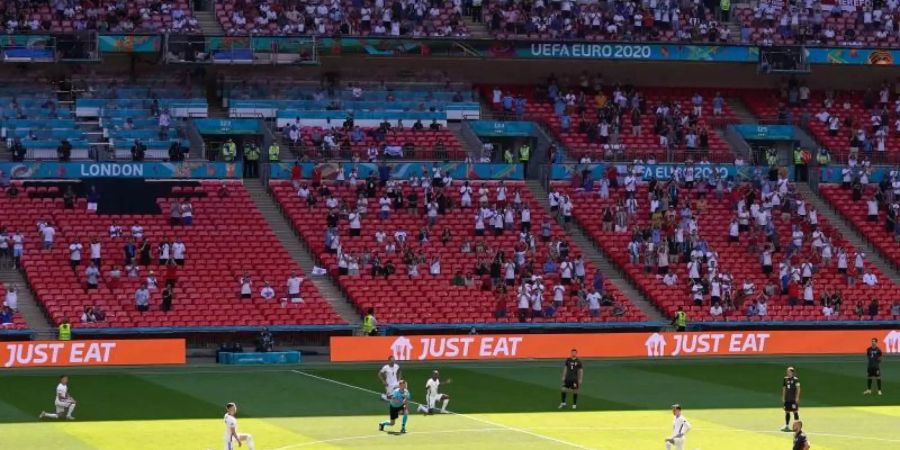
(573, 373)
(231, 434)
(433, 395)
(65, 404)
(398, 404)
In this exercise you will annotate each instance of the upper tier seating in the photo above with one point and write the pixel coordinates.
(426, 298)
(713, 221)
(335, 17)
(30, 114)
(565, 115)
(228, 237)
(857, 213)
(101, 15)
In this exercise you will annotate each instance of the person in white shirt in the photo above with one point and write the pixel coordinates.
(293, 287)
(869, 279)
(389, 376)
(433, 395)
(670, 279)
(246, 286)
(75, 254)
(267, 293)
(47, 234)
(178, 251)
(231, 432)
(96, 252)
(137, 232)
(11, 300)
(65, 404)
(715, 310)
(680, 429)
(827, 310)
(435, 267)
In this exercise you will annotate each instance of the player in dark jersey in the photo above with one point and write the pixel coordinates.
(873, 354)
(790, 396)
(573, 373)
(800, 440)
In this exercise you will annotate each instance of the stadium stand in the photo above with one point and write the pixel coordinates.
(360, 120)
(103, 15)
(227, 239)
(415, 18)
(858, 124)
(598, 122)
(150, 113)
(431, 299)
(742, 259)
(600, 21)
(882, 231)
(32, 117)
(772, 23)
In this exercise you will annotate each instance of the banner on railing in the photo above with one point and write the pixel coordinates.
(609, 345)
(130, 43)
(92, 353)
(753, 132)
(57, 170)
(405, 170)
(492, 128)
(660, 171)
(228, 126)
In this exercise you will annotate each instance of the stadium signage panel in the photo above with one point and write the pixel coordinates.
(608, 345)
(92, 353)
(75, 170)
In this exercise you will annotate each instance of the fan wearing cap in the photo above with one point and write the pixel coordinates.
(680, 429)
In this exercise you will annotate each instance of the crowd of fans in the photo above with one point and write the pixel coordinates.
(415, 18)
(24, 16)
(653, 20)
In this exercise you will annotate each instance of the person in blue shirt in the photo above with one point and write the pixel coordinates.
(398, 402)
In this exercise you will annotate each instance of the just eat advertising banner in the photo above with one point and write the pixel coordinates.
(92, 353)
(609, 345)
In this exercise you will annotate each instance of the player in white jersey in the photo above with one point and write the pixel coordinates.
(433, 395)
(680, 428)
(389, 375)
(65, 403)
(231, 432)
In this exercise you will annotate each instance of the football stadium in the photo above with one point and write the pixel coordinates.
(449, 224)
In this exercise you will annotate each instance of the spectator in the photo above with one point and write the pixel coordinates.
(716, 310)
(129, 250)
(92, 276)
(88, 315)
(873, 308)
(246, 286)
(142, 298)
(138, 150)
(178, 251)
(69, 198)
(294, 282)
(458, 280)
(64, 150)
(869, 279)
(167, 296)
(174, 213)
(895, 309)
(6, 316)
(18, 151)
(115, 276)
(187, 212)
(171, 273)
(267, 293)
(827, 310)
(11, 300)
(96, 252)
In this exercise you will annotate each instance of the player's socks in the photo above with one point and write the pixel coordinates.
(447, 402)
(796, 415)
(878, 381)
(869, 384)
(403, 421)
(787, 419)
(574, 399)
(384, 424)
(70, 411)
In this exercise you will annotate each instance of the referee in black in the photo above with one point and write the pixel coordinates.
(573, 373)
(790, 396)
(873, 354)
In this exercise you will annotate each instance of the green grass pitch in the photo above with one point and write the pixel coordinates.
(733, 404)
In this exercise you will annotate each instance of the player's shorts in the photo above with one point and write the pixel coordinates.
(62, 407)
(571, 384)
(874, 371)
(395, 411)
(677, 445)
(230, 443)
(432, 401)
(791, 406)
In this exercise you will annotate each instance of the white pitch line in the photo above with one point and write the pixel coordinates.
(722, 430)
(473, 418)
(384, 435)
